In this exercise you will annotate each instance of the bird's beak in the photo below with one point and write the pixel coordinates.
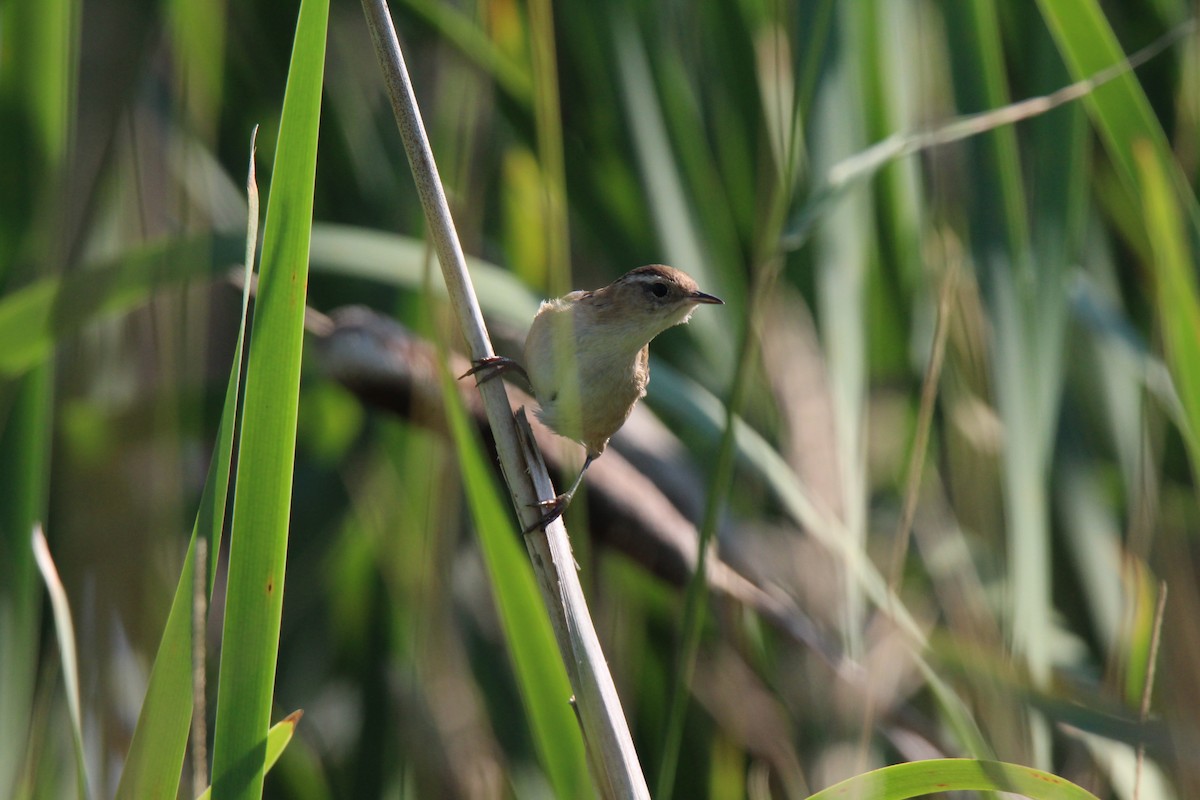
(701, 297)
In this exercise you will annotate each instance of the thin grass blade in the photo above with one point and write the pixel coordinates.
(920, 778)
(156, 753)
(541, 676)
(24, 477)
(1178, 299)
(64, 628)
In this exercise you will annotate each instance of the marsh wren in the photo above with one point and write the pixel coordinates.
(587, 357)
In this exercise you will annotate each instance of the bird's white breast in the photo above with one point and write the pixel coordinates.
(585, 384)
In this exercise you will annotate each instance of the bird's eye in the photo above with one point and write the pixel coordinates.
(659, 289)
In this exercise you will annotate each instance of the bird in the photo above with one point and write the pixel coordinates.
(587, 358)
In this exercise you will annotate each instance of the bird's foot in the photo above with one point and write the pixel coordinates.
(487, 368)
(554, 508)
(551, 510)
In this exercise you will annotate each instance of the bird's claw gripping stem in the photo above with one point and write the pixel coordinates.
(487, 368)
(553, 510)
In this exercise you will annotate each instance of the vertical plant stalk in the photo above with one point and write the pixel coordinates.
(605, 731)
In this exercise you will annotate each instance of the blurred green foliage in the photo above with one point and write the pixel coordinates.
(1055, 496)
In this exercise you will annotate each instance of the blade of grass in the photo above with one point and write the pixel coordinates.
(545, 688)
(24, 478)
(65, 631)
(156, 753)
(1175, 283)
(38, 80)
(1120, 109)
(935, 776)
(278, 738)
(262, 497)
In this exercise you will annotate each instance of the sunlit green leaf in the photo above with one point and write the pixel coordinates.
(267, 448)
(920, 778)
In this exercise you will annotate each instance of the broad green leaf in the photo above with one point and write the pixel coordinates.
(266, 455)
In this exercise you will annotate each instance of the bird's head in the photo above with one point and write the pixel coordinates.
(646, 301)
